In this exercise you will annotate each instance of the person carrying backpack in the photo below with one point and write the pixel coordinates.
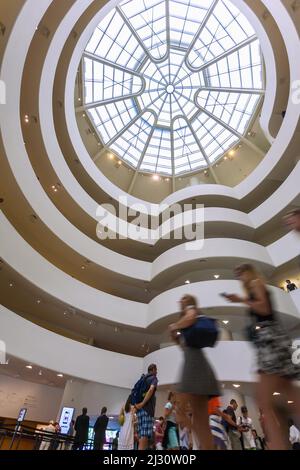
(144, 400)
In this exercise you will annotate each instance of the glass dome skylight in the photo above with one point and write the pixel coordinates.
(171, 85)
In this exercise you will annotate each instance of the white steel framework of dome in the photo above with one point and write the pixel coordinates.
(172, 85)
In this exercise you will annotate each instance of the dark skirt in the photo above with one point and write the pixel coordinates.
(197, 376)
(274, 351)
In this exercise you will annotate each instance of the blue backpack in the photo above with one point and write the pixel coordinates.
(202, 334)
(139, 390)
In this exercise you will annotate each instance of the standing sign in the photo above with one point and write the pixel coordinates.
(22, 414)
(65, 419)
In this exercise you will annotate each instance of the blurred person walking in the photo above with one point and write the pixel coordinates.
(198, 382)
(274, 353)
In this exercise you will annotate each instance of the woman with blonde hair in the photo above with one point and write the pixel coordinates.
(198, 382)
(274, 353)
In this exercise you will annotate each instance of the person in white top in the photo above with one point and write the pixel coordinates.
(45, 444)
(246, 426)
(126, 436)
(294, 435)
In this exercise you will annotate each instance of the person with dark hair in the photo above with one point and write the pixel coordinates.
(259, 443)
(276, 368)
(290, 286)
(294, 437)
(171, 441)
(82, 430)
(245, 426)
(100, 430)
(115, 442)
(218, 423)
(232, 426)
(127, 420)
(145, 408)
(198, 382)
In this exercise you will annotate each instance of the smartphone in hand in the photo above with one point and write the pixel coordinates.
(223, 294)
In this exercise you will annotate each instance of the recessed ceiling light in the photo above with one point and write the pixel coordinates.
(59, 375)
(290, 402)
(225, 158)
(82, 267)
(225, 322)
(110, 156)
(236, 385)
(216, 276)
(38, 301)
(11, 284)
(155, 177)
(29, 367)
(276, 394)
(187, 282)
(231, 153)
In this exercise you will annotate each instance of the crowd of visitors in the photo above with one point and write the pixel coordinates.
(193, 415)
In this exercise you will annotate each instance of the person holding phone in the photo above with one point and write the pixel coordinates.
(274, 353)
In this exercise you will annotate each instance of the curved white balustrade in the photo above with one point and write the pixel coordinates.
(36, 269)
(48, 130)
(55, 221)
(12, 136)
(286, 248)
(240, 191)
(88, 363)
(12, 66)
